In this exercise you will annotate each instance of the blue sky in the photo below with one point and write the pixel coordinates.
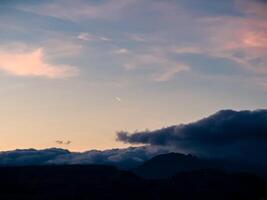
(82, 70)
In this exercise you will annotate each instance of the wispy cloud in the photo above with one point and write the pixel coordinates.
(118, 99)
(121, 51)
(235, 30)
(137, 38)
(33, 63)
(163, 68)
(62, 47)
(170, 72)
(91, 37)
(80, 9)
(241, 40)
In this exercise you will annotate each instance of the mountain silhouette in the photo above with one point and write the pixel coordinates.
(168, 165)
(183, 177)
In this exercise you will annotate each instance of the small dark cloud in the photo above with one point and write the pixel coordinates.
(226, 134)
(59, 141)
(62, 142)
(67, 142)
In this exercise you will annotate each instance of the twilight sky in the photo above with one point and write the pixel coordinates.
(82, 70)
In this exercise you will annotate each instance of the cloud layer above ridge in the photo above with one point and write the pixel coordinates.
(122, 158)
(225, 134)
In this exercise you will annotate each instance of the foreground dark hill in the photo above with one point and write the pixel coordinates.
(104, 182)
(168, 165)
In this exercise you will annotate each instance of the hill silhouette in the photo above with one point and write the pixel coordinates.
(107, 182)
(168, 165)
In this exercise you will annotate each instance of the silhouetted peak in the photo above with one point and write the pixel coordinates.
(172, 157)
(167, 165)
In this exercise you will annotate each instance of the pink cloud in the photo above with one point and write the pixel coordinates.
(33, 64)
(249, 37)
(249, 31)
(241, 39)
(245, 34)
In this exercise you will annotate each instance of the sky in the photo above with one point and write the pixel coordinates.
(72, 73)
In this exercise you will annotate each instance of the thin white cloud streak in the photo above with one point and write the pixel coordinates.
(91, 37)
(33, 63)
(170, 73)
(121, 51)
(137, 38)
(118, 99)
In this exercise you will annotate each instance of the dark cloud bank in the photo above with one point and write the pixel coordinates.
(226, 134)
(123, 158)
(236, 135)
